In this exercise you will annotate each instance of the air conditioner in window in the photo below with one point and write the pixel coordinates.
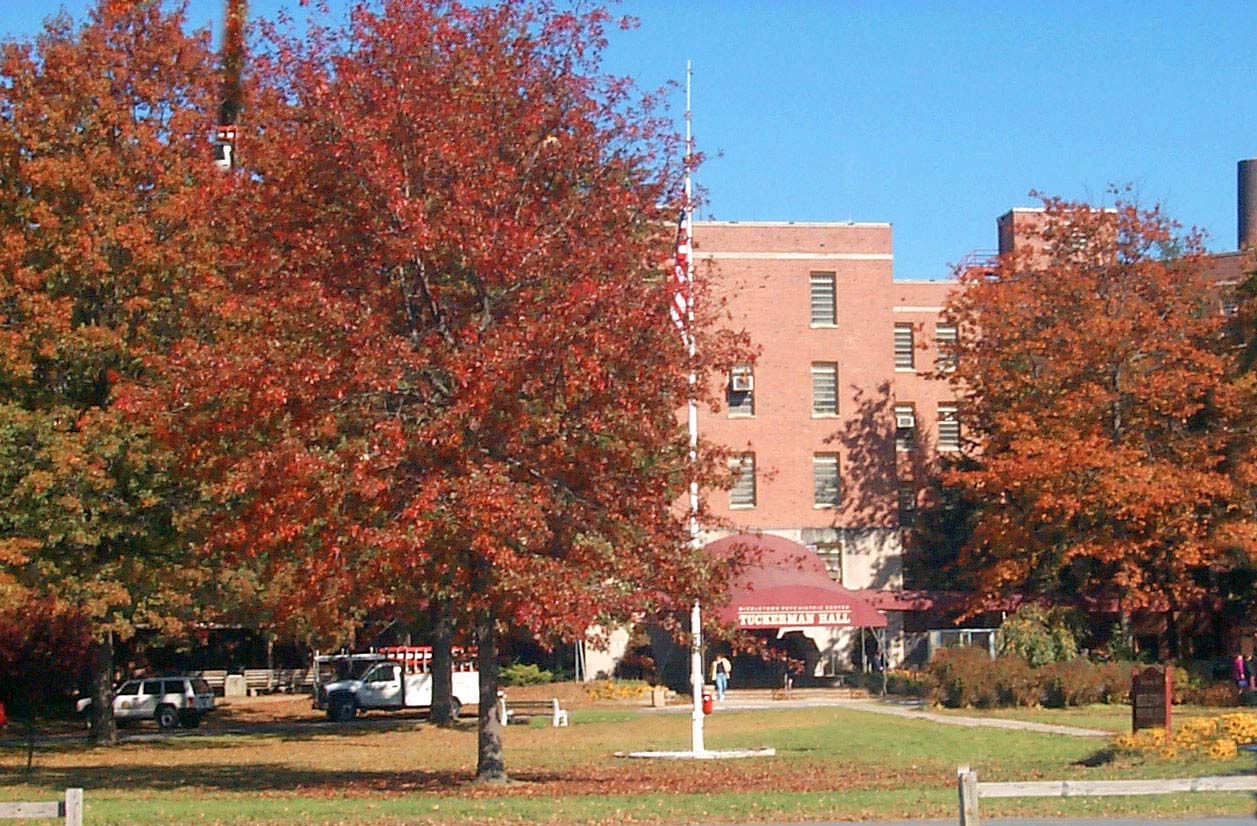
(905, 420)
(742, 383)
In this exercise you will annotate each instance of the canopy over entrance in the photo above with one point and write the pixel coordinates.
(788, 587)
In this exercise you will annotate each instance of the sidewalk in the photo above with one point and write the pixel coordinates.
(761, 700)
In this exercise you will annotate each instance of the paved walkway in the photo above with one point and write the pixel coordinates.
(761, 700)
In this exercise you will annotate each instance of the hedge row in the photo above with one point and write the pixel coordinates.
(969, 678)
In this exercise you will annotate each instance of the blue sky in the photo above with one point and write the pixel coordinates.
(935, 116)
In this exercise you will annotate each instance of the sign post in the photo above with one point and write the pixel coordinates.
(1151, 695)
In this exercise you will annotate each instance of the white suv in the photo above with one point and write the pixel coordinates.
(170, 701)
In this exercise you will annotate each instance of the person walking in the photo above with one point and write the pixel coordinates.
(1239, 671)
(721, 669)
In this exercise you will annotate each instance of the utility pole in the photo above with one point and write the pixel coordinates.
(225, 137)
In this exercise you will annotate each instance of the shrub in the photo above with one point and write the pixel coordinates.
(907, 683)
(1240, 726)
(1214, 737)
(524, 674)
(1115, 677)
(1038, 634)
(1016, 683)
(1076, 682)
(1218, 695)
(968, 677)
(961, 677)
(616, 689)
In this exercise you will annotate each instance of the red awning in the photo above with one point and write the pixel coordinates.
(788, 587)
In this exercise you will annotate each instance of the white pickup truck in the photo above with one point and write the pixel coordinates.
(392, 685)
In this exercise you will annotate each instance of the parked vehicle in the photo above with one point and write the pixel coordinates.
(391, 679)
(170, 701)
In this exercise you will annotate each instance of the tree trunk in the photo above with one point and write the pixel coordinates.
(442, 666)
(104, 729)
(30, 739)
(490, 764)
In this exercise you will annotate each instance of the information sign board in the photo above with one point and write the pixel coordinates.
(1151, 693)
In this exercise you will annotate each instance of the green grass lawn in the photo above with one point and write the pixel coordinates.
(831, 764)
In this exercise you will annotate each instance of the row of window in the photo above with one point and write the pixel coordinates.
(741, 390)
(948, 426)
(740, 397)
(945, 338)
(741, 400)
(826, 486)
(823, 312)
(826, 490)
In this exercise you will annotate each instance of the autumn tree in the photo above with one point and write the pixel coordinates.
(44, 648)
(102, 145)
(1100, 416)
(443, 373)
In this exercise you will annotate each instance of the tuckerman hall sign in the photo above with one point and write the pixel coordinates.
(793, 616)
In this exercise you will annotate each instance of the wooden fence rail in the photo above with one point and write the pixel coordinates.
(971, 790)
(71, 809)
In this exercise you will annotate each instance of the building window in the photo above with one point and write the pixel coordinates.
(824, 388)
(825, 486)
(945, 344)
(948, 427)
(823, 303)
(907, 506)
(742, 495)
(741, 391)
(903, 347)
(905, 426)
(831, 554)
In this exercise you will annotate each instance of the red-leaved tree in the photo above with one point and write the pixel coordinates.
(1100, 417)
(443, 370)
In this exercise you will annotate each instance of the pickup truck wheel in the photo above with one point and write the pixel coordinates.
(341, 709)
(456, 708)
(166, 717)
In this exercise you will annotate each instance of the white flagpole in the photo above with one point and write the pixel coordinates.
(696, 616)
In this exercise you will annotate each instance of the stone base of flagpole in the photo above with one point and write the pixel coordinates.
(725, 754)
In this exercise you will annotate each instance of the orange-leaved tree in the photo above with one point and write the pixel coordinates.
(444, 372)
(102, 145)
(1100, 414)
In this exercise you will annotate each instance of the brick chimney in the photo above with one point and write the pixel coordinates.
(1246, 201)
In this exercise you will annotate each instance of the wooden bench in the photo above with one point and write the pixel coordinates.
(521, 711)
(215, 679)
(259, 681)
(71, 809)
(291, 679)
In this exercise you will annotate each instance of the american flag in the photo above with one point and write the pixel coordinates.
(682, 279)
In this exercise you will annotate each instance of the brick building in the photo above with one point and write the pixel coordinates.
(835, 417)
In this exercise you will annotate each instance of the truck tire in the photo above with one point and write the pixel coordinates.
(456, 708)
(167, 717)
(341, 709)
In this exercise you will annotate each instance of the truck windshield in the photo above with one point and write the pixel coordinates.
(379, 674)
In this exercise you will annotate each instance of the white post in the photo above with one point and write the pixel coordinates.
(967, 786)
(696, 616)
(696, 675)
(73, 807)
